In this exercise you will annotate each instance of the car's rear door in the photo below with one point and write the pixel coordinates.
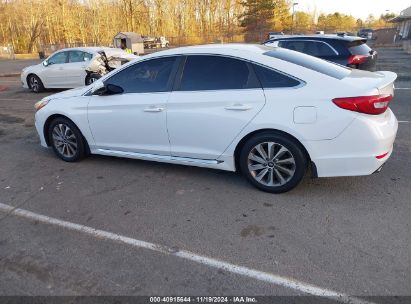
(215, 99)
(135, 121)
(75, 69)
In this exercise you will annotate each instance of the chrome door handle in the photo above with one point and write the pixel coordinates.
(154, 109)
(239, 107)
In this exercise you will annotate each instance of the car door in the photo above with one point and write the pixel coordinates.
(135, 121)
(75, 69)
(53, 75)
(214, 100)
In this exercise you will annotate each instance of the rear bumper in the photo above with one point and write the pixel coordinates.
(354, 151)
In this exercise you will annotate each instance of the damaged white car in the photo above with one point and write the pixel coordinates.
(73, 67)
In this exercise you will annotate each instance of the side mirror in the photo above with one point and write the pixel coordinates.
(110, 89)
(114, 89)
(45, 63)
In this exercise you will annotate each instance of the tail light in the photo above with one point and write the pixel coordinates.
(374, 105)
(357, 59)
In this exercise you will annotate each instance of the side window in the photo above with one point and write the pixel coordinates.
(147, 76)
(282, 44)
(272, 79)
(76, 56)
(58, 58)
(318, 49)
(296, 45)
(324, 50)
(87, 56)
(202, 72)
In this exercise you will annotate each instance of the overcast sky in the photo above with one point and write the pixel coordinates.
(356, 8)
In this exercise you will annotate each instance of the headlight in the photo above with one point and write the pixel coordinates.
(40, 104)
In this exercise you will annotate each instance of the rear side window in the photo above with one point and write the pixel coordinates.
(76, 56)
(319, 49)
(295, 45)
(313, 48)
(272, 79)
(202, 72)
(358, 47)
(321, 66)
(147, 76)
(87, 56)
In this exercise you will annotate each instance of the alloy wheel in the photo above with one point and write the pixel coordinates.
(64, 140)
(34, 84)
(271, 164)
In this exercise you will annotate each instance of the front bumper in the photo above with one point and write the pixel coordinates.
(39, 123)
(23, 78)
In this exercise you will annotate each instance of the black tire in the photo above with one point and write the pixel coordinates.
(35, 84)
(277, 178)
(91, 78)
(76, 147)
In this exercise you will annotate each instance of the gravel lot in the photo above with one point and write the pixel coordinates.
(350, 235)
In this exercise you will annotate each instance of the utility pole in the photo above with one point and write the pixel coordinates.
(292, 23)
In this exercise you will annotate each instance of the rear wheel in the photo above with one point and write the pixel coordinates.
(35, 84)
(66, 140)
(273, 162)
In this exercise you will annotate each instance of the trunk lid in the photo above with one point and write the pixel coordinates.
(381, 82)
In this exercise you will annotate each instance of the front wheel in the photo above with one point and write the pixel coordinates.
(66, 140)
(273, 162)
(35, 84)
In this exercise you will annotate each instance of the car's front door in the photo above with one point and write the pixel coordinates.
(216, 98)
(135, 121)
(53, 74)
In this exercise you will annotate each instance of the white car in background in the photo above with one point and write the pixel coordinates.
(270, 113)
(72, 67)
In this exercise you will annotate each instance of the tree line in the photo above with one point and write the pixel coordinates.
(26, 24)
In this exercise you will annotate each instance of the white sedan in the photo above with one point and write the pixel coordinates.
(69, 68)
(270, 113)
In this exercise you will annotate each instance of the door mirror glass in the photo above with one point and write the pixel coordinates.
(110, 89)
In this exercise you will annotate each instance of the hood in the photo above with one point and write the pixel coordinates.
(32, 68)
(69, 93)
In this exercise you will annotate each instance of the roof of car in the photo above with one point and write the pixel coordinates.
(320, 37)
(216, 48)
(92, 49)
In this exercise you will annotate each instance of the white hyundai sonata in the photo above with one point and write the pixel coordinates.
(270, 113)
(72, 67)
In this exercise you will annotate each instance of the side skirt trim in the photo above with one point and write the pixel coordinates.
(156, 157)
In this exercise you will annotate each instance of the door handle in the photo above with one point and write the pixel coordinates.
(239, 107)
(154, 109)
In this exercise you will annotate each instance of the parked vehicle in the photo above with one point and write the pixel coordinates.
(73, 67)
(366, 33)
(346, 50)
(274, 35)
(155, 42)
(268, 112)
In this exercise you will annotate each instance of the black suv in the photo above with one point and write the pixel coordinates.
(350, 51)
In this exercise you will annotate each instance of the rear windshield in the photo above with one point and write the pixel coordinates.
(321, 66)
(358, 47)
